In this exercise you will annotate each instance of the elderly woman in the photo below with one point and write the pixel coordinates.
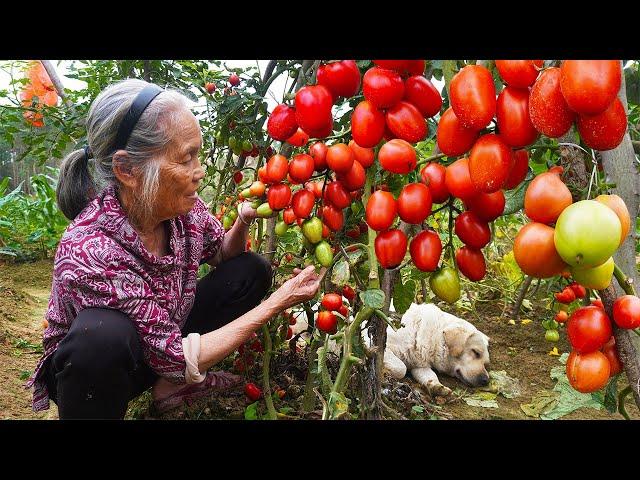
(127, 311)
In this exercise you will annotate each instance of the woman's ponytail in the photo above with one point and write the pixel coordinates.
(75, 187)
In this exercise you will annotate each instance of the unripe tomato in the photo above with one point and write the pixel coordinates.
(367, 124)
(458, 180)
(313, 107)
(615, 203)
(423, 95)
(546, 197)
(234, 79)
(312, 229)
(324, 254)
(425, 250)
(279, 196)
(454, 138)
(331, 301)
(406, 122)
(551, 336)
(319, 153)
(302, 203)
(519, 73)
(339, 158)
(342, 78)
(589, 86)
(535, 252)
(596, 278)
(277, 168)
(490, 162)
(626, 311)
(282, 122)
(381, 210)
(281, 228)
(472, 230)
(337, 195)
(433, 175)
(487, 206)
(414, 203)
(257, 188)
(333, 217)
(587, 372)
(383, 88)
(588, 329)
(473, 96)
(512, 113)
(263, 210)
(252, 391)
(299, 138)
(355, 178)
(390, 248)
(519, 170)
(247, 146)
(348, 292)
(548, 110)
(327, 322)
(471, 263)
(301, 167)
(611, 352)
(445, 283)
(398, 156)
(363, 155)
(605, 130)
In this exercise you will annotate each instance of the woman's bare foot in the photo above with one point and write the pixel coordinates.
(163, 388)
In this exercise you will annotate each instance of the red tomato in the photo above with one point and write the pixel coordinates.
(313, 107)
(339, 158)
(319, 153)
(578, 289)
(234, 79)
(322, 132)
(288, 216)
(397, 65)
(279, 196)
(355, 178)
(252, 391)
(343, 311)
(452, 137)
(262, 174)
(341, 78)
(519, 170)
(390, 247)
(282, 122)
(588, 329)
(327, 322)
(458, 181)
(548, 110)
(605, 130)
(363, 155)
(512, 113)
(302, 203)
(425, 250)
(333, 217)
(325, 231)
(381, 210)
(597, 303)
(488, 206)
(406, 122)
(519, 73)
(535, 251)
(337, 195)
(561, 316)
(237, 177)
(414, 67)
(353, 233)
(398, 156)
(566, 296)
(490, 162)
(472, 230)
(348, 292)
(546, 197)
(414, 203)
(388, 134)
(332, 301)
(626, 311)
(211, 87)
(471, 263)
(611, 352)
(277, 168)
(423, 95)
(301, 167)
(588, 372)
(589, 86)
(367, 124)
(433, 176)
(299, 138)
(315, 187)
(473, 96)
(383, 88)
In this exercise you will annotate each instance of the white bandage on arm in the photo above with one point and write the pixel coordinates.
(191, 349)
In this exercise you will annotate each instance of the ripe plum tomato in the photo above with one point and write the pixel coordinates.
(333, 217)
(337, 195)
(490, 162)
(367, 124)
(355, 178)
(398, 156)
(472, 230)
(342, 78)
(381, 210)
(282, 122)
(279, 196)
(458, 180)
(487, 206)
(301, 167)
(327, 322)
(611, 352)
(433, 176)
(406, 122)
(548, 110)
(453, 138)
(519, 73)
(519, 170)
(277, 168)
(512, 113)
(423, 95)
(390, 248)
(340, 158)
(332, 301)
(425, 250)
(589, 86)
(414, 203)
(383, 88)
(365, 156)
(319, 153)
(299, 138)
(626, 311)
(588, 372)
(471, 263)
(348, 292)
(473, 96)
(588, 329)
(605, 130)
(313, 107)
(302, 203)
(546, 197)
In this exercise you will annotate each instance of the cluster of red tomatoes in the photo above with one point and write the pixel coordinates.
(326, 320)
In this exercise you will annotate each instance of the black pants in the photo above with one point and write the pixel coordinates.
(99, 366)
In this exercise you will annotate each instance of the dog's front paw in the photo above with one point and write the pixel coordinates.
(439, 390)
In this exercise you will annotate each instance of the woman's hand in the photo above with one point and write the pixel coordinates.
(247, 211)
(301, 287)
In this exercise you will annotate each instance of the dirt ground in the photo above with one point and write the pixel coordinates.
(519, 349)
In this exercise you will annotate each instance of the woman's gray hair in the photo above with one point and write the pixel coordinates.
(151, 135)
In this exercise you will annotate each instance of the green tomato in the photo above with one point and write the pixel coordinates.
(312, 229)
(237, 150)
(233, 142)
(246, 146)
(219, 137)
(281, 228)
(227, 222)
(256, 203)
(324, 254)
(551, 336)
(445, 283)
(233, 214)
(246, 193)
(264, 210)
(596, 278)
(587, 233)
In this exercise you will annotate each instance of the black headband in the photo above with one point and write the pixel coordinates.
(140, 103)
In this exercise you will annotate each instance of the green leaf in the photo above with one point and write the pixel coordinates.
(417, 409)
(354, 256)
(482, 399)
(403, 295)
(373, 298)
(340, 272)
(251, 412)
(338, 405)
(514, 199)
(611, 395)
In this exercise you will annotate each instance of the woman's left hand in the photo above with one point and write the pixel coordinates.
(247, 211)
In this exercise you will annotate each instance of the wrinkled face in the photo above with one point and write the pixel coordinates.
(468, 356)
(180, 169)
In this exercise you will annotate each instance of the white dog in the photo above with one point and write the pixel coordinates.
(431, 339)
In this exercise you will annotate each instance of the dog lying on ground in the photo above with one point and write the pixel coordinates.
(431, 339)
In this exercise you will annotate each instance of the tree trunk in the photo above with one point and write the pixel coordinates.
(55, 79)
(619, 166)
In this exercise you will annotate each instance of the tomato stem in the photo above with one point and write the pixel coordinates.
(621, 397)
(266, 363)
(625, 282)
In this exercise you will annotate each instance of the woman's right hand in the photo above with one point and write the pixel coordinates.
(301, 287)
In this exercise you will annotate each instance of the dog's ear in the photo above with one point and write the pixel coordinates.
(456, 338)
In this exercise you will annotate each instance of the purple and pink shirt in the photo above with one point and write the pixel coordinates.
(101, 262)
